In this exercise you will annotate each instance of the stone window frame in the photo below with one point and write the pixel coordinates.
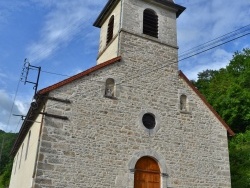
(165, 172)
(150, 132)
(181, 93)
(116, 87)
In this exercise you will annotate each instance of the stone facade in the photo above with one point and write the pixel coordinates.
(95, 147)
(100, 143)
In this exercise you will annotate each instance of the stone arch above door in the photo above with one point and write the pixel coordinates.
(166, 180)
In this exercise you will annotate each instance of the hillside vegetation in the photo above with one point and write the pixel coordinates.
(6, 160)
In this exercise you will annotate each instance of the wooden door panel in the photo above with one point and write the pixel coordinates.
(153, 185)
(140, 184)
(147, 173)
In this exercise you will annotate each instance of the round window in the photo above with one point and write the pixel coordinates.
(148, 120)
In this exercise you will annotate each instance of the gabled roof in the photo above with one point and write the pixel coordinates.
(78, 76)
(231, 133)
(111, 4)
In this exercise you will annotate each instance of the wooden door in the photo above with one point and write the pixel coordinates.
(147, 173)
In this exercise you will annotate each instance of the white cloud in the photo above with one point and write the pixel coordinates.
(65, 20)
(8, 122)
(216, 60)
(205, 20)
(22, 106)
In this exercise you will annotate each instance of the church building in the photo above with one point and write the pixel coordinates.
(132, 121)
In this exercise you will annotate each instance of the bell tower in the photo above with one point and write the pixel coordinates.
(131, 26)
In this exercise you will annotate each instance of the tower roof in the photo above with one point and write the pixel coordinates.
(112, 3)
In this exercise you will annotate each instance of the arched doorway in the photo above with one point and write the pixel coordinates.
(147, 173)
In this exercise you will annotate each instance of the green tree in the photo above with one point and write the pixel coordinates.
(7, 139)
(239, 150)
(228, 90)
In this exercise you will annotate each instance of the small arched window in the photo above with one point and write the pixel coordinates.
(150, 23)
(183, 103)
(147, 173)
(110, 88)
(110, 30)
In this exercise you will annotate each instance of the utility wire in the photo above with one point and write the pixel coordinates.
(214, 42)
(199, 52)
(18, 124)
(11, 110)
(191, 55)
(160, 67)
(213, 47)
(214, 39)
(133, 77)
(55, 73)
(185, 53)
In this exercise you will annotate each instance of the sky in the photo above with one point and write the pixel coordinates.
(58, 36)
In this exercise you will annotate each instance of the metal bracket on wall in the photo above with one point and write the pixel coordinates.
(54, 116)
(57, 99)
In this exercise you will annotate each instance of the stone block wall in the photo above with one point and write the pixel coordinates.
(99, 145)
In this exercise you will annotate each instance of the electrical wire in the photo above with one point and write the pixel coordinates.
(13, 103)
(55, 73)
(187, 53)
(213, 47)
(18, 124)
(152, 70)
(212, 43)
(214, 39)
(8, 122)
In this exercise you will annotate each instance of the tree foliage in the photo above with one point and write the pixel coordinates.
(228, 91)
(239, 150)
(6, 161)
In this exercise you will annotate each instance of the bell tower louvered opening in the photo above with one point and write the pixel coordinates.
(150, 23)
(110, 30)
